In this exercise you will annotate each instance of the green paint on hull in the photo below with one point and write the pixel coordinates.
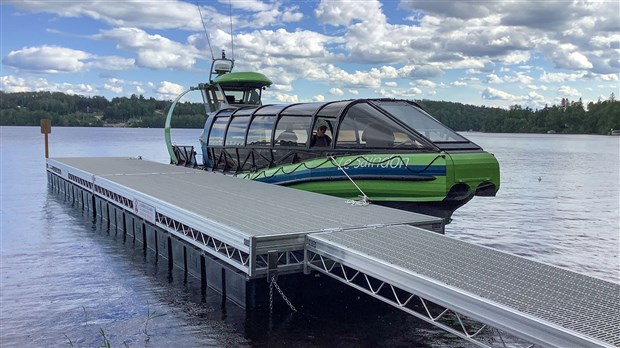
(393, 174)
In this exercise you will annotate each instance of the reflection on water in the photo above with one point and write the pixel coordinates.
(64, 277)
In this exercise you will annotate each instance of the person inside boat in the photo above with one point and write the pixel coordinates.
(288, 137)
(320, 139)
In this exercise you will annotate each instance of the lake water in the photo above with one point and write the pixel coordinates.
(66, 282)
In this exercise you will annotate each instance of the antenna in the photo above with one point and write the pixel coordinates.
(205, 29)
(232, 46)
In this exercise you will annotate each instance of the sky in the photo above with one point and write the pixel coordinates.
(493, 53)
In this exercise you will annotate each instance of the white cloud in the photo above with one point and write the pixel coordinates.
(354, 91)
(560, 77)
(80, 88)
(12, 84)
(533, 96)
(167, 14)
(335, 74)
(113, 88)
(48, 59)
(279, 87)
(537, 88)
(336, 91)
(492, 78)
(567, 91)
(426, 71)
(342, 12)
(318, 98)
(520, 77)
(391, 84)
(494, 94)
(56, 60)
(153, 51)
(518, 57)
(413, 91)
(608, 77)
(282, 97)
(577, 60)
(167, 88)
(249, 5)
(426, 84)
(606, 41)
(289, 15)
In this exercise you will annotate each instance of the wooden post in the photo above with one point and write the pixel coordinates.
(46, 128)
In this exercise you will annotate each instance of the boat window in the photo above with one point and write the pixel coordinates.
(251, 96)
(236, 131)
(269, 110)
(218, 129)
(245, 111)
(305, 109)
(260, 130)
(365, 126)
(419, 120)
(233, 96)
(292, 131)
(334, 109)
(224, 113)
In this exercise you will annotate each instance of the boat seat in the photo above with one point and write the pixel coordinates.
(185, 155)
(377, 136)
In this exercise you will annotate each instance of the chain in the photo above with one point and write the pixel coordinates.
(273, 280)
(273, 283)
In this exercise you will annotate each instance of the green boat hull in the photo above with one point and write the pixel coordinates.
(406, 181)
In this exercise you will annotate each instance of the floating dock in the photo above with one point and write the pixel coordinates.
(236, 234)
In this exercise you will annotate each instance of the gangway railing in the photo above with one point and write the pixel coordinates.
(484, 296)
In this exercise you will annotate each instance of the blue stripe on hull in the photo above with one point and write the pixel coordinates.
(334, 172)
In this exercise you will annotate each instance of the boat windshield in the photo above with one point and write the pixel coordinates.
(419, 120)
(248, 96)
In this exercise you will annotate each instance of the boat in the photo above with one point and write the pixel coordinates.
(383, 151)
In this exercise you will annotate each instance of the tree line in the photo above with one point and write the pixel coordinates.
(28, 108)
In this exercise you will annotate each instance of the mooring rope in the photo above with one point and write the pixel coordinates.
(364, 200)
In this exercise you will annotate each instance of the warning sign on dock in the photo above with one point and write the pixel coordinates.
(143, 210)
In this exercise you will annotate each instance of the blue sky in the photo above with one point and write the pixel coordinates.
(494, 53)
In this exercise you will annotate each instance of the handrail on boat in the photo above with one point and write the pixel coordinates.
(173, 156)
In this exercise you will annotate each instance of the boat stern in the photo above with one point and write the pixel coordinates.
(474, 173)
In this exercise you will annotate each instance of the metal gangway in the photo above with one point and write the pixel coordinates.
(474, 292)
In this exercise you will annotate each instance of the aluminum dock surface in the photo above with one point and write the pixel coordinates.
(258, 229)
(239, 221)
(544, 304)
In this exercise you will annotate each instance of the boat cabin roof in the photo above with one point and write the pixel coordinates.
(242, 80)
